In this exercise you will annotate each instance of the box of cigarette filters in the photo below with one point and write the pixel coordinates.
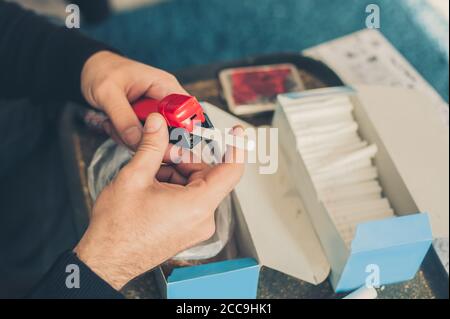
(371, 167)
(359, 190)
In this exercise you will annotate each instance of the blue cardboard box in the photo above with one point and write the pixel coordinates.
(229, 279)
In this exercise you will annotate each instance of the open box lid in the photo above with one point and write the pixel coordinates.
(418, 144)
(394, 246)
(279, 226)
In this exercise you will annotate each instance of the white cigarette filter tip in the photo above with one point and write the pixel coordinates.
(241, 142)
(363, 293)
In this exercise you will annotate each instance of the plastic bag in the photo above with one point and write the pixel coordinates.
(106, 164)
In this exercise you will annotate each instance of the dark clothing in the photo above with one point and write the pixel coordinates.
(38, 59)
(42, 63)
(86, 285)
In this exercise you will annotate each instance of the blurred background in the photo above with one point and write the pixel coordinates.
(175, 34)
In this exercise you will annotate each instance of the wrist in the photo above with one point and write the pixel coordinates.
(108, 268)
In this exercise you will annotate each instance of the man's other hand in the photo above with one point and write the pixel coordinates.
(109, 82)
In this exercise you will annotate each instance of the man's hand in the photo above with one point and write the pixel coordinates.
(150, 212)
(109, 82)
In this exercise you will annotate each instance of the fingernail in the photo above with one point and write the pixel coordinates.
(132, 135)
(153, 123)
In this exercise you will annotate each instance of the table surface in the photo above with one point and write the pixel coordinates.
(79, 144)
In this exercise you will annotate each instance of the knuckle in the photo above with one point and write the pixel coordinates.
(170, 77)
(102, 89)
(199, 184)
(150, 146)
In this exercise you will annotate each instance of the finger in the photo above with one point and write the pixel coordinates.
(168, 174)
(150, 153)
(222, 178)
(109, 129)
(124, 120)
(183, 160)
(235, 154)
(167, 84)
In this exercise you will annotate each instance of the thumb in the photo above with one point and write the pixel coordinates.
(150, 153)
(125, 122)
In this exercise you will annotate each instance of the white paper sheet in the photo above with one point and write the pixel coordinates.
(367, 57)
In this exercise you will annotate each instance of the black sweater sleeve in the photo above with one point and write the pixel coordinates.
(71, 278)
(42, 61)
(38, 59)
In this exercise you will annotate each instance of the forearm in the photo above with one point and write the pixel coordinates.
(38, 59)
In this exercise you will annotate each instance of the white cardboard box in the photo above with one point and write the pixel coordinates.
(412, 161)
